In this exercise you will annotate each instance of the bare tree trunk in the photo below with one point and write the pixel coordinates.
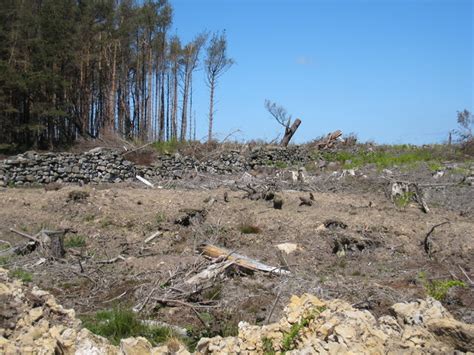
(289, 132)
(184, 110)
(174, 112)
(211, 110)
(149, 95)
(162, 109)
(190, 106)
(112, 93)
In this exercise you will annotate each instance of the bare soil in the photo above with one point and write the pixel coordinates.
(353, 243)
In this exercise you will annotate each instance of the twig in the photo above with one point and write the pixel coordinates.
(465, 274)
(151, 237)
(36, 240)
(168, 302)
(273, 306)
(116, 298)
(111, 261)
(86, 276)
(134, 150)
(139, 307)
(427, 242)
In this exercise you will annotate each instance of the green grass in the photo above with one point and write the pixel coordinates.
(120, 323)
(249, 229)
(4, 260)
(21, 274)
(290, 338)
(160, 217)
(402, 201)
(397, 155)
(268, 347)
(75, 241)
(277, 164)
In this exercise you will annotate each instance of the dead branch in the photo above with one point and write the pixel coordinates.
(24, 235)
(111, 261)
(465, 274)
(242, 261)
(151, 237)
(428, 243)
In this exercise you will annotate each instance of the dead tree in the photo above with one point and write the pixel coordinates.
(282, 117)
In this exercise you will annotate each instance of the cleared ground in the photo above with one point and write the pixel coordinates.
(352, 243)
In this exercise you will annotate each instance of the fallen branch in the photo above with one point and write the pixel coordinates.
(145, 181)
(427, 242)
(151, 237)
(465, 274)
(136, 149)
(211, 272)
(273, 306)
(24, 235)
(111, 261)
(242, 261)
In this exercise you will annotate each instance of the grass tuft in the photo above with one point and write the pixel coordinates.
(75, 241)
(120, 323)
(290, 338)
(402, 201)
(249, 229)
(21, 274)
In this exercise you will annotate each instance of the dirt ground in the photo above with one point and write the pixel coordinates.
(352, 243)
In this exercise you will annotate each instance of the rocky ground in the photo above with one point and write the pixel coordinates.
(33, 322)
(353, 245)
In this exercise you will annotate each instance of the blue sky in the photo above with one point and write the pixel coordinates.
(393, 71)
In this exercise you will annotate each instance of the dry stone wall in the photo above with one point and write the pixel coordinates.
(102, 165)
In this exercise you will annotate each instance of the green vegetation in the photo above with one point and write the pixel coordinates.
(119, 323)
(160, 217)
(75, 241)
(21, 274)
(106, 222)
(4, 260)
(402, 201)
(290, 338)
(398, 155)
(169, 147)
(438, 289)
(213, 293)
(277, 164)
(249, 229)
(268, 346)
(89, 217)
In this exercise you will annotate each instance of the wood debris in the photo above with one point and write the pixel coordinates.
(242, 261)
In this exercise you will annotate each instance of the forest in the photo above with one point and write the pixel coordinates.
(87, 68)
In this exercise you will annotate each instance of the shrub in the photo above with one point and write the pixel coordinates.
(438, 289)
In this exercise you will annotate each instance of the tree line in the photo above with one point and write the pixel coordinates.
(73, 68)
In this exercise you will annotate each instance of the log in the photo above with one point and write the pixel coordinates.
(211, 272)
(242, 261)
(289, 132)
